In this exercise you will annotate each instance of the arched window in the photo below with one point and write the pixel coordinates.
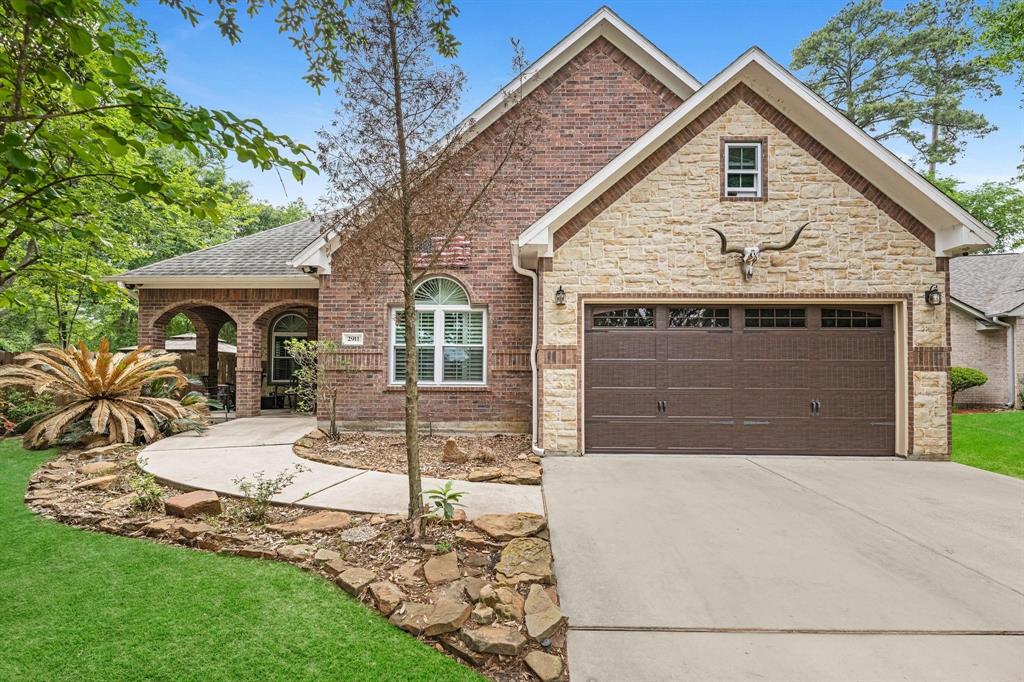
(288, 326)
(450, 336)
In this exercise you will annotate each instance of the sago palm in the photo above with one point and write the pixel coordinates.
(105, 388)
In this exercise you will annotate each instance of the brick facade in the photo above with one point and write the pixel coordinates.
(646, 238)
(594, 107)
(985, 351)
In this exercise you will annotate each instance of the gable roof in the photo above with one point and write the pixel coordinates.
(604, 23)
(955, 230)
(259, 260)
(991, 283)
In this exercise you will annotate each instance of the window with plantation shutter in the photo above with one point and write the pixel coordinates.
(451, 337)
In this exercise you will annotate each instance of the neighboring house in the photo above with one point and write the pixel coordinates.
(598, 306)
(197, 364)
(986, 325)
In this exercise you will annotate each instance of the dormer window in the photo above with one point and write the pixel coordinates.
(743, 170)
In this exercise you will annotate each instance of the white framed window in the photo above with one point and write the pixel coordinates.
(288, 326)
(451, 337)
(743, 173)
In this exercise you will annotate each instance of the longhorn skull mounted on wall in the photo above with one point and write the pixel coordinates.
(750, 254)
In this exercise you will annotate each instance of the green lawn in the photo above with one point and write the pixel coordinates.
(990, 440)
(78, 605)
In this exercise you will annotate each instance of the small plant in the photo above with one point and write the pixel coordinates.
(148, 494)
(443, 547)
(313, 384)
(963, 378)
(444, 500)
(258, 490)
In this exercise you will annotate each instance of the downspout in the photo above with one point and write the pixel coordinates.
(1011, 369)
(537, 450)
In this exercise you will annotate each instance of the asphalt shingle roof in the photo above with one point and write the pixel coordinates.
(992, 283)
(263, 253)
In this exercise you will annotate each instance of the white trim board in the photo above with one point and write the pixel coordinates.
(218, 282)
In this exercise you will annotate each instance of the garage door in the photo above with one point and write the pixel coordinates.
(739, 379)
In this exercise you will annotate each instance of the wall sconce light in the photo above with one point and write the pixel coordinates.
(560, 296)
(309, 269)
(932, 296)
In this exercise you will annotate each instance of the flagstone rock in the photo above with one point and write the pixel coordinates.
(537, 600)
(483, 615)
(160, 526)
(335, 567)
(547, 667)
(451, 452)
(256, 552)
(510, 526)
(525, 560)
(494, 639)
(323, 522)
(326, 555)
(409, 572)
(484, 474)
(441, 569)
(99, 483)
(354, 580)
(298, 552)
(543, 624)
(120, 502)
(98, 468)
(195, 503)
(193, 530)
(431, 619)
(386, 595)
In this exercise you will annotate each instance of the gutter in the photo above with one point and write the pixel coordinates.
(537, 450)
(1011, 369)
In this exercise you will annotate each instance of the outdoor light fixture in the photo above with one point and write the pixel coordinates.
(933, 296)
(560, 296)
(309, 269)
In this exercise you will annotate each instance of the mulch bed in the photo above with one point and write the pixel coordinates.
(370, 556)
(506, 456)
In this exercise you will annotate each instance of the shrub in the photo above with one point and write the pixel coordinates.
(963, 378)
(312, 384)
(21, 408)
(148, 494)
(258, 491)
(445, 500)
(104, 388)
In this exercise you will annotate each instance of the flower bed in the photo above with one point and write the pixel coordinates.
(500, 459)
(481, 592)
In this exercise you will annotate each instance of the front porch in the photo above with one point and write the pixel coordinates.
(263, 319)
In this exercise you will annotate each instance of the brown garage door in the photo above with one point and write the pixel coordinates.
(739, 379)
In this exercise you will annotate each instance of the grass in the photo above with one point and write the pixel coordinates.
(78, 605)
(990, 440)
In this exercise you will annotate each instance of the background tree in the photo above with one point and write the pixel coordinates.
(1000, 205)
(408, 177)
(323, 31)
(80, 108)
(1002, 32)
(858, 62)
(946, 67)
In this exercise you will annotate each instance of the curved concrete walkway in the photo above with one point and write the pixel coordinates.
(242, 447)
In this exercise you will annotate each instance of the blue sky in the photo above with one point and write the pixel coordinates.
(262, 76)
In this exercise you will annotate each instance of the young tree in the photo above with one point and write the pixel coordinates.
(946, 67)
(858, 63)
(409, 179)
(80, 108)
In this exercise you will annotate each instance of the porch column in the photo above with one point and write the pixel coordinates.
(152, 332)
(248, 369)
(202, 355)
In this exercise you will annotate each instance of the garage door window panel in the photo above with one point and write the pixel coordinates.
(624, 318)
(698, 318)
(775, 318)
(844, 318)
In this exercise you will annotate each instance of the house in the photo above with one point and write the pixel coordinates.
(597, 309)
(987, 325)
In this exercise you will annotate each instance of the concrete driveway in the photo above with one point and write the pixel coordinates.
(720, 568)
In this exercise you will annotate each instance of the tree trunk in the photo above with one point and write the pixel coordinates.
(334, 413)
(931, 147)
(412, 443)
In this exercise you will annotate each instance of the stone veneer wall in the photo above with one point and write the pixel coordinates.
(652, 241)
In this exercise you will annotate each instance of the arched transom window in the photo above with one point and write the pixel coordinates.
(288, 326)
(450, 336)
